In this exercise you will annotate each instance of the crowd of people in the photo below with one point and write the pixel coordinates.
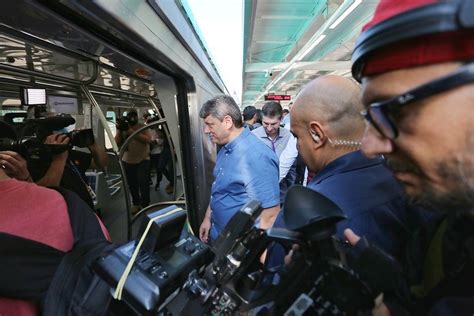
(404, 178)
(146, 150)
(417, 97)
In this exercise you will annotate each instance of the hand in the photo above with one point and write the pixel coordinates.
(289, 257)
(58, 139)
(14, 165)
(204, 229)
(351, 236)
(380, 309)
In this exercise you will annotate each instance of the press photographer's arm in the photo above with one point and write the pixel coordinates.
(100, 160)
(53, 175)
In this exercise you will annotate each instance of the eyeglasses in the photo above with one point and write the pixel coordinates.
(380, 114)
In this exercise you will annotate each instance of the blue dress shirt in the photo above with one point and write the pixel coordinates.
(245, 169)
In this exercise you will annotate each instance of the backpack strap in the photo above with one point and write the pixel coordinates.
(75, 289)
(26, 267)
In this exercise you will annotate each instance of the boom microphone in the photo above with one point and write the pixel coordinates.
(54, 122)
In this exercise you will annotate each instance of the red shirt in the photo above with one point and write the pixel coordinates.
(36, 213)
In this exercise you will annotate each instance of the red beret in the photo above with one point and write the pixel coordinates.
(421, 50)
(388, 8)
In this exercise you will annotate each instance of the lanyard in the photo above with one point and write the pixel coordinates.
(73, 167)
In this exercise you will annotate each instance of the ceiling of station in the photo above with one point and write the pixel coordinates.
(287, 43)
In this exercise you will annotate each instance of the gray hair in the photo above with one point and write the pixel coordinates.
(219, 107)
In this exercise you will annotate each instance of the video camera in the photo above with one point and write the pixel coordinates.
(181, 274)
(123, 124)
(43, 126)
(30, 142)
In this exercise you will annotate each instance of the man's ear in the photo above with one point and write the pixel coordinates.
(228, 121)
(317, 133)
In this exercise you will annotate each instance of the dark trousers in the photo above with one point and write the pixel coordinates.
(154, 163)
(137, 176)
(163, 168)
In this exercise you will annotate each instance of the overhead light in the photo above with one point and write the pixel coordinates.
(354, 5)
(310, 48)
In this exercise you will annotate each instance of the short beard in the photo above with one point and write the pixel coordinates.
(460, 200)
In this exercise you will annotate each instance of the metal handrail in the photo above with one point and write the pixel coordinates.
(141, 129)
(172, 149)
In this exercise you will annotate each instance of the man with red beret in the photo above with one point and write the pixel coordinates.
(415, 60)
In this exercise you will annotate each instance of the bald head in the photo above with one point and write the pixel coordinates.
(334, 101)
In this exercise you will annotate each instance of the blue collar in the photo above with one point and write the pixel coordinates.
(351, 161)
(236, 141)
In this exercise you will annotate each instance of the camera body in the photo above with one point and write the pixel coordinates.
(26, 148)
(123, 124)
(163, 264)
(81, 138)
(30, 144)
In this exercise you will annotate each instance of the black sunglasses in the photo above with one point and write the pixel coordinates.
(379, 113)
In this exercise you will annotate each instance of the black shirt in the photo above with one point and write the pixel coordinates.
(73, 178)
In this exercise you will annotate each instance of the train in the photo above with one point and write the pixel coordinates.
(96, 61)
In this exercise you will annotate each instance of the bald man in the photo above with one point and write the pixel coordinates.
(328, 127)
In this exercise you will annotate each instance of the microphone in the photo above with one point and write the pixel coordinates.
(54, 122)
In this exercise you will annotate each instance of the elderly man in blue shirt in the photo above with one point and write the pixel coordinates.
(245, 169)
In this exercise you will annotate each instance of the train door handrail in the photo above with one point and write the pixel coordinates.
(172, 149)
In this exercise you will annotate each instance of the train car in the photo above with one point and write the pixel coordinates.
(98, 60)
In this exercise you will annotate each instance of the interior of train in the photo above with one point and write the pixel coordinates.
(97, 96)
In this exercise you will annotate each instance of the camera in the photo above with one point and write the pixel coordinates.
(183, 274)
(123, 124)
(30, 143)
(26, 148)
(163, 261)
(81, 138)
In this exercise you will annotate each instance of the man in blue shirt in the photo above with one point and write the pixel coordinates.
(245, 169)
(328, 128)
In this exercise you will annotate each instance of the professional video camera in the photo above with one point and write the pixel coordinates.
(30, 142)
(45, 124)
(122, 124)
(182, 275)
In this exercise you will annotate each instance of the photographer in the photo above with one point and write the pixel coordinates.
(136, 159)
(36, 226)
(418, 91)
(60, 166)
(67, 168)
